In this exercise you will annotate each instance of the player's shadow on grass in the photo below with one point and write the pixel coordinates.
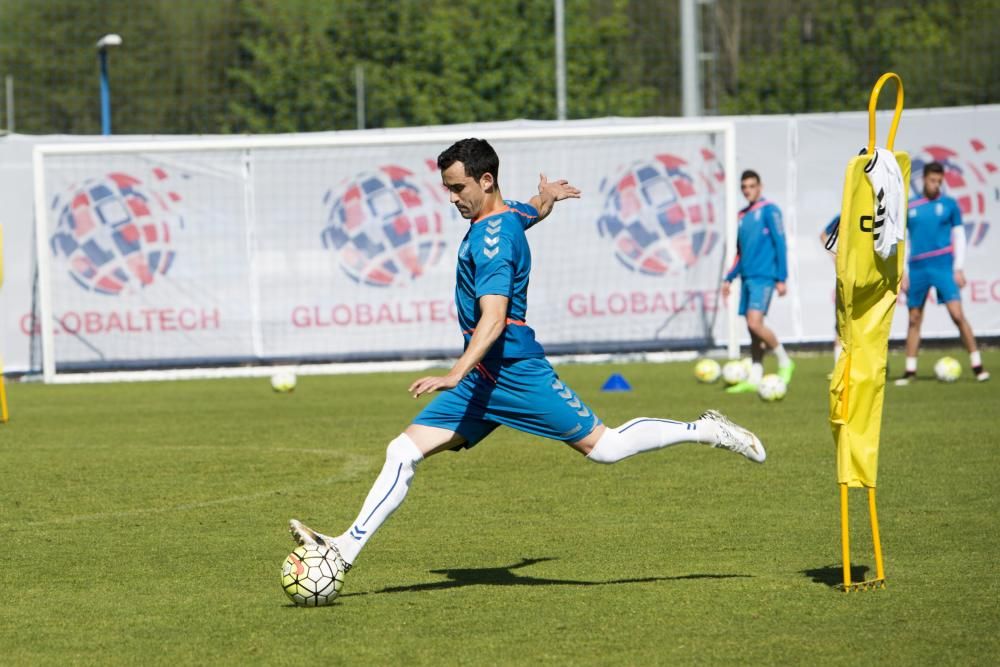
(833, 575)
(504, 576)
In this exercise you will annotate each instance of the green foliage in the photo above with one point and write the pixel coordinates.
(826, 56)
(145, 523)
(191, 66)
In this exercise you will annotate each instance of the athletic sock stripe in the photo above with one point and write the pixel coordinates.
(648, 419)
(394, 482)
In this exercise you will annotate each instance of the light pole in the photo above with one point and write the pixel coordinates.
(102, 55)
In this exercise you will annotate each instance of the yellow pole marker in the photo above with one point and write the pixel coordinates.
(867, 290)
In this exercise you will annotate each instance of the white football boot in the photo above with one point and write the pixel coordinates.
(735, 438)
(306, 536)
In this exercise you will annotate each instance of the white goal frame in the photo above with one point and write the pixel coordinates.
(442, 136)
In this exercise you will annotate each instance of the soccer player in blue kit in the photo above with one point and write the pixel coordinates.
(761, 263)
(502, 377)
(937, 253)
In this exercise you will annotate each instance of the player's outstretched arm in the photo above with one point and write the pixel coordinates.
(493, 319)
(549, 192)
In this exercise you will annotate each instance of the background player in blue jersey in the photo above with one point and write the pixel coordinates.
(502, 376)
(761, 264)
(937, 253)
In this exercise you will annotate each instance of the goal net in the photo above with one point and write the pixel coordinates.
(226, 253)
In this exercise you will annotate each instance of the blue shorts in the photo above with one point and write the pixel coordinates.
(755, 294)
(927, 274)
(525, 394)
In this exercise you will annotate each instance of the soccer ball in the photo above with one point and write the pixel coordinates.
(707, 370)
(947, 369)
(734, 372)
(283, 382)
(312, 576)
(771, 388)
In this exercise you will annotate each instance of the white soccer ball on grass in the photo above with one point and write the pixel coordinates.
(771, 388)
(707, 370)
(734, 372)
(283, 381)
(312, 576)
(947, 369)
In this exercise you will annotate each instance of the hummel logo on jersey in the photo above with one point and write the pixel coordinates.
(492, 229)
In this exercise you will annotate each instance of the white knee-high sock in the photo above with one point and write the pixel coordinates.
(387, 493)
(646, 434)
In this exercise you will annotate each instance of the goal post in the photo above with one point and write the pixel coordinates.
(205, 257)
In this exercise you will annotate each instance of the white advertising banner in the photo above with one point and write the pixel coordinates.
(180, 257)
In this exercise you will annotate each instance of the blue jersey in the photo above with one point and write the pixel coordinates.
(832, 226)
(929, 226)
(494, 258)
(761, 250)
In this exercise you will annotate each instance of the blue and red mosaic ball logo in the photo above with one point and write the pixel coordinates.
(115, 232)
(969, 178)
(663, 214)
(385, 226)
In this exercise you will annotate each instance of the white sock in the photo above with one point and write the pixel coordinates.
(911, 364)
(645, 434)
(387, 493)
(782, 356)
(975, 359)
(756, 372)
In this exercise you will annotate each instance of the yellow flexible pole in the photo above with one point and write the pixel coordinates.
(873, 102)
(845, 537)
(879, 571)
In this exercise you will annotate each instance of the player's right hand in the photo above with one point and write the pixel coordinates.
(429, 383)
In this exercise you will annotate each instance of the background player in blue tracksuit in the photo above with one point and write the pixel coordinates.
(762, 266)
(937, 254)
(502, 377)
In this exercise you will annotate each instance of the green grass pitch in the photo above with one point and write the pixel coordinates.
(147, 523)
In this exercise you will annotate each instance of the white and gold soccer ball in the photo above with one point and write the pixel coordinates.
(947, 369)
(707, 370)
(771, 388)
(283, 381)
(734, 372)
(312, 576)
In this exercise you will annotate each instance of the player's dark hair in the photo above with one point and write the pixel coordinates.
(750, 173)
(476, 154)
(933, 168)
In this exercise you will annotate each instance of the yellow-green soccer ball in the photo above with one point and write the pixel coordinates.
(312, 576)
(283, 382)
(947, 369)
(707, 370)
(771, 388)
(734, 372)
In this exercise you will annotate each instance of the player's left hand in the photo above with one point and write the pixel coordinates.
(960, 278)
(558, 190)
(426, 385)
(781, 288)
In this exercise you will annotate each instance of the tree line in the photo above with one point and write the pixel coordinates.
(209, 66)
